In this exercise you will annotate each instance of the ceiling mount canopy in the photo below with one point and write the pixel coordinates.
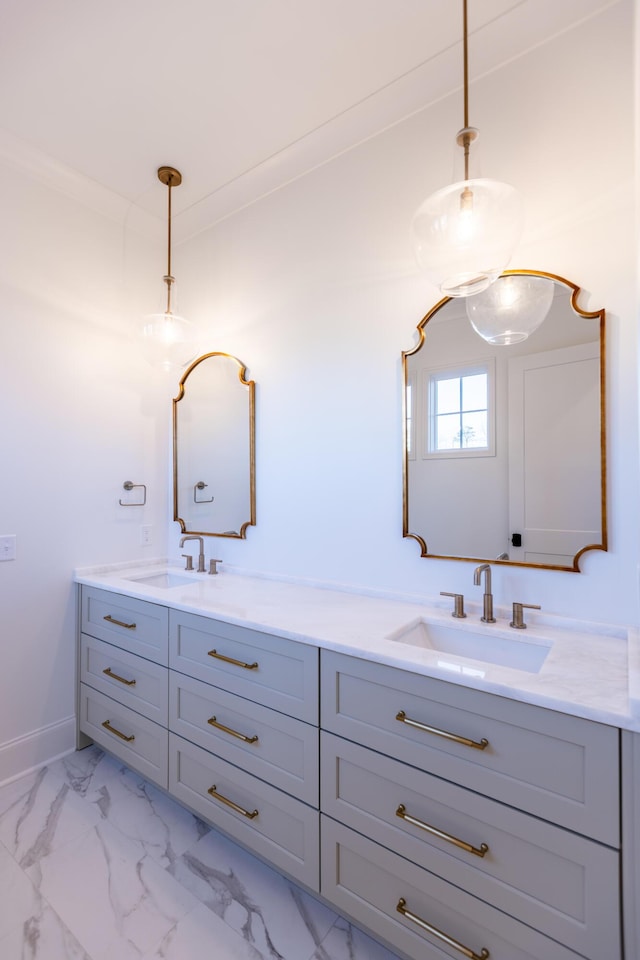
(167, 336)
(169, 176)
(464, 234)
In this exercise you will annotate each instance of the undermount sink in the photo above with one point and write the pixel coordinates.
(507, 651)
(164, 579)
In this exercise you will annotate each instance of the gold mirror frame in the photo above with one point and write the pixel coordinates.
(579, 312)
(200, 485)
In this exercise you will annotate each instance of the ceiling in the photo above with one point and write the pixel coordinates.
(241, 95)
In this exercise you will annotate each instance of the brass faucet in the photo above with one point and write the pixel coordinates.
(487, 606)
(200, 555)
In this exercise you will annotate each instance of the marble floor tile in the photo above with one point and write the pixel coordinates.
(346, 942)
(84, 769)
(272, 914)
(99, 778)
(136, 807)
(18, 897)
(97, 863)
(162, 826)
(200, 935)
(116, 899)
(41, 936)
(40, 813)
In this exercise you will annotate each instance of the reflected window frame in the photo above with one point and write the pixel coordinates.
(431, 376)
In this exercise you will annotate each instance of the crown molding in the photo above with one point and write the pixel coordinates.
(26, 159)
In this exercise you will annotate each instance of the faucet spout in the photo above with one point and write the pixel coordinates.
(487, 600)
(200, 555)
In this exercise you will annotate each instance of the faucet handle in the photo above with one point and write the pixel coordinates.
(518, 617)
(458, 603)
(189, 559)
(213, 565)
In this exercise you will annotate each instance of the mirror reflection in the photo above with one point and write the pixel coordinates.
(213, 448)
(504, 454)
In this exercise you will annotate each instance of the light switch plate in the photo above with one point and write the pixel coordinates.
(7, 546)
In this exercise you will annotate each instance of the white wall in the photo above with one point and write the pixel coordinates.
(80, 416)
(314, 288)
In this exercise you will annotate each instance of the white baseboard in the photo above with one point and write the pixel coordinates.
(33, 750)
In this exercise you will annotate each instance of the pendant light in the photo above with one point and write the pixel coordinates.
(168, 338)
(464, 234)
(511, 309)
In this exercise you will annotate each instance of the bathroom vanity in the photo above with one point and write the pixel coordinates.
(450, 805)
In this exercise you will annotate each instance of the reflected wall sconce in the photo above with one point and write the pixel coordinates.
(464, 235)
(168, 338)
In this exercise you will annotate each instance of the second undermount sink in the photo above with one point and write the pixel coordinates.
(478, 645)
(165, 580)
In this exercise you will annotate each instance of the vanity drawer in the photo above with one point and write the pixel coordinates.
(282, 750)
(552, 879)
(368, 883)
(139, 742)
(135, 625)
(558, 767)
(131, 680)
(271, 823)
(274, 671)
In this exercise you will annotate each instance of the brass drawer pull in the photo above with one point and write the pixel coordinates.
(119, 623)
(479, 851)
(123, 736)
(114, 676)
(212, 791)
(401, 715)
(465, 951)
(233, 733)
(236, 663)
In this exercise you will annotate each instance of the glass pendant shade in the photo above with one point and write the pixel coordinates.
(168, 341)
(511, 309)
(465, 234)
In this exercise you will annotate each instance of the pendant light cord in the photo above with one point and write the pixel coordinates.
(465, 55)
(465, 58)
(169, 279)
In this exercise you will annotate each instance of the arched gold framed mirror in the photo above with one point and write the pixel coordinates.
(505, 445)
(214, 448)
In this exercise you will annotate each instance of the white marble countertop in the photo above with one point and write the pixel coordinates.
(592, 670)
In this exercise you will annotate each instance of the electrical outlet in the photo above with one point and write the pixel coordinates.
(146, 535)
(8, 546)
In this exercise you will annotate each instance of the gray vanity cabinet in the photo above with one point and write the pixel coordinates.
(135, 625)
(138, 742)
(631, 846)
(454, 805)
(279, 749)
(271, 670)
(244, 747)
(124, 679)
(445, 820)
(224, 717)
